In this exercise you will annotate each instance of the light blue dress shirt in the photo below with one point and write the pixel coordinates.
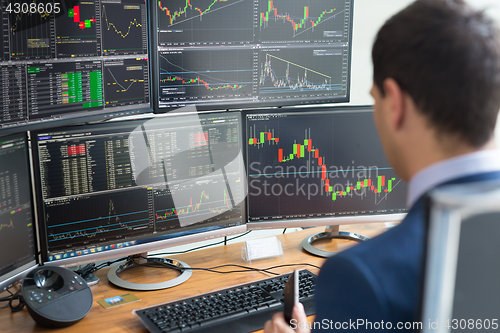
(453, 168)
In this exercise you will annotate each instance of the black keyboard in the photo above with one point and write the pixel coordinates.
(243, 308)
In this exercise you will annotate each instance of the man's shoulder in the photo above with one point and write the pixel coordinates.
(389, 266)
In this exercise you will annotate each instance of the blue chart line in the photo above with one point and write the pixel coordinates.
(107, 224)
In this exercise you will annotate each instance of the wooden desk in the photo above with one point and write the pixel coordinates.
(120, 319)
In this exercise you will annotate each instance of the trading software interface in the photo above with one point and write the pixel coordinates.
(323, 164)
(17, 243)
(72, 58)
(252, 52)
(117, 184)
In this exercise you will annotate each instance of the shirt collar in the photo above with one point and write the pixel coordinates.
(453, 168)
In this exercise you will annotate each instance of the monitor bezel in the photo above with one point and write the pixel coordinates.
(9, 279)
(102, 115)
(247, 106)
(153, 242)
(322, 221)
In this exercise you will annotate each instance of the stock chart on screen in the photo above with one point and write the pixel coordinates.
(105, 184)
(310, 165)
(221, 53)
(63, 60)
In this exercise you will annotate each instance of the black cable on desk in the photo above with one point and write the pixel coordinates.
(12, 298)
(201, 247)
(213, 269)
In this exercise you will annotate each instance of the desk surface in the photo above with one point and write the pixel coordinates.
(121, 319)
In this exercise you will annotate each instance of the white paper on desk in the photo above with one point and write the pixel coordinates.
(263, 248)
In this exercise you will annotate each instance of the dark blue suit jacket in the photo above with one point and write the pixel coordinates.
(379, 279)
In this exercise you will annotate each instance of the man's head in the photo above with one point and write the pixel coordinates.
(444, 58)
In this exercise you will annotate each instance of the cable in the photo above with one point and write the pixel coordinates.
(201, 247)
(213, 269)
(209, 269)
(91, 268)
(11, 299)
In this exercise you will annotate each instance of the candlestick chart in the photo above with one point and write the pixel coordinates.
(77, 30)
(207, 75)
(317, 166)
(209, 199)
(320, 20)
(205, 21)
(304, 71)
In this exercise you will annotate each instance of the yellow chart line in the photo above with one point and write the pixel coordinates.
(119, 32)
(299, 66)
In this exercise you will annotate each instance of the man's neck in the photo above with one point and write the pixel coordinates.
(424, 157)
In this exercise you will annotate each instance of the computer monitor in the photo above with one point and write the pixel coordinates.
(251, 53)
(310, 167)
(125, 187)
(72, 61)
(17, 230)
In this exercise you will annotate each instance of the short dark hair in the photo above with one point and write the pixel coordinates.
(446, 56)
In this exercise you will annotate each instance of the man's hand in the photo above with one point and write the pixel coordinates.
(279, 325)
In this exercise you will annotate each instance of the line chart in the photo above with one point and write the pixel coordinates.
(205, 20)
(30, 36)
(124, 27)
(122, 88)
(125, 81)
(204, 75)
(306, 71)
(110, 25)
(287, 82)
(104, 217)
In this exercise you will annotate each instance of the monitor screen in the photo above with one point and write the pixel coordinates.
(319, 168)
(251, 53)
(72, 60)
(128, 187)
(17, 235)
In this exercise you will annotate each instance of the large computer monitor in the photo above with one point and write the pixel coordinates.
(319, 167)
(71, 61)
(17, 230)
(126, 187)
(251, 53)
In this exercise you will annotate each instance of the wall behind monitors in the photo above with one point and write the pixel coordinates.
(252, 53)
(315, 166)
(68, 59)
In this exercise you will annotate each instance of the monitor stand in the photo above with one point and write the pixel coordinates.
(330, 232)
(136, 261)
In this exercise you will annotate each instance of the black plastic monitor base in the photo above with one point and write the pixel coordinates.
(134, 261)
(330, 232)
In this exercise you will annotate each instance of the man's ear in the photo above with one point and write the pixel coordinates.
(395, 99)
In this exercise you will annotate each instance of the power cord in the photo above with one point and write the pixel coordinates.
(91, 268)
(213, 269)
(12, 298)
(203, 246)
